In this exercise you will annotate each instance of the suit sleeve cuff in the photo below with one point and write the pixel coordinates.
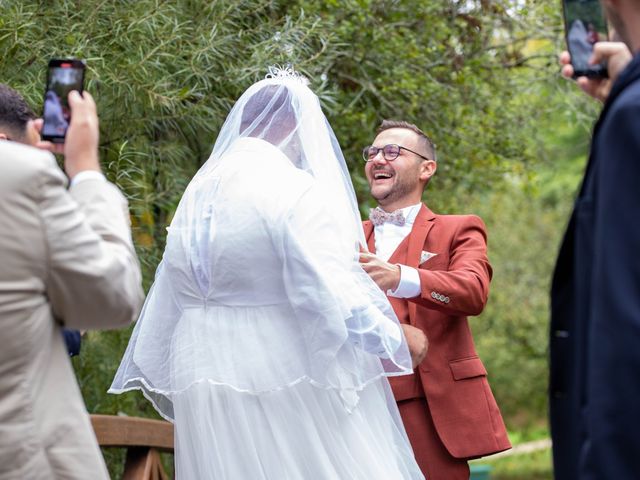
(87, 175)
(409, 285)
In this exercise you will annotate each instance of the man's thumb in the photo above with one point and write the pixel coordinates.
(604, 50)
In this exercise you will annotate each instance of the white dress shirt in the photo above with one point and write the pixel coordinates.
(388, 237)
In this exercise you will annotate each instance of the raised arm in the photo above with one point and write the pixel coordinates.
(464, 283)
(94, 278)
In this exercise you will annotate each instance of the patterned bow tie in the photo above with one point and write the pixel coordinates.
(378, 216)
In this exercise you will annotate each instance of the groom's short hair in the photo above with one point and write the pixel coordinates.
(429, 147)
(15, 113)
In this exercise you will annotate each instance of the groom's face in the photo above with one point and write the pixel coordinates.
(399, 180)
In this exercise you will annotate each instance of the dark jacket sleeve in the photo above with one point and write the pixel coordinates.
(72, 339)
(612, 352)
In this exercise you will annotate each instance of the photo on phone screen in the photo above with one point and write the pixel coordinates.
(585, 25)
(62, 77)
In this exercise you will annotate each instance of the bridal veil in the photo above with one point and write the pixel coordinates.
(259, 288)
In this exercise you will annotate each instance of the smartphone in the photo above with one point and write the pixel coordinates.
(63, 75)
(584, 25)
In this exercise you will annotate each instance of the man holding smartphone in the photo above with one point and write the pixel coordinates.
(595, 296)
(67, 258)
(17, 124)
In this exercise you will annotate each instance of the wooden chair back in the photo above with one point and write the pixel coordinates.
(143, 438)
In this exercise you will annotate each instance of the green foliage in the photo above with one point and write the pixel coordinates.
(512, 332)
(481, 77)
(525, 222)
(446, 66)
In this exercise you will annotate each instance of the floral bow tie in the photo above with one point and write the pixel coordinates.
(378, 216)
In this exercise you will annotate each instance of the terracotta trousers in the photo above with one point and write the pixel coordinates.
(433, 458)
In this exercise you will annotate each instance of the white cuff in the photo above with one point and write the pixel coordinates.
(409, 285)
(87, 175)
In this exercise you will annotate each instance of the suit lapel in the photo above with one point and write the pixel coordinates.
(408, 252)
(369, 236)
(421, 227)
(416, 240)
(400, 253)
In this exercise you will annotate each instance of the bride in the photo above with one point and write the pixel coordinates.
(262, 338)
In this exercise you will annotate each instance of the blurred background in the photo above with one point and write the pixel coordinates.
(481, 77)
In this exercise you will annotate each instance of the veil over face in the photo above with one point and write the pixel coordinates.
(260, 286)
(284, 112)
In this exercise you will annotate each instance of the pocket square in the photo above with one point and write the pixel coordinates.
(424, 256)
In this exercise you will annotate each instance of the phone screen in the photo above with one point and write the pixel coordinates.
(63, 76)
(585, 24)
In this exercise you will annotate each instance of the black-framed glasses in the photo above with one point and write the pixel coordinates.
(389, 152)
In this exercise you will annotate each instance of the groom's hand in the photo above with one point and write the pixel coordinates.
(385, 274)
(417, 343)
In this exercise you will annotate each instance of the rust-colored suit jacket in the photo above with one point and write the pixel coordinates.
(454, 284)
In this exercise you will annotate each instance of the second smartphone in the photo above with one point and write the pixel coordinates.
(584, 25)
(63, 75)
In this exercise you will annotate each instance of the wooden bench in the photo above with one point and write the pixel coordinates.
(143, 438)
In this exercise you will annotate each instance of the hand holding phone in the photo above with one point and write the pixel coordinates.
(615, 54)
(81, 145)
(63, 76)
(585, 25)
(80, 149)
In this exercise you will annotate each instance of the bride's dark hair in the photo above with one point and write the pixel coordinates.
(269, 114)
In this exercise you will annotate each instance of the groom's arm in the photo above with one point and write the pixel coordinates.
(459, 287)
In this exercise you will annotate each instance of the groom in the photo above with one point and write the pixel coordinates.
(435, 271)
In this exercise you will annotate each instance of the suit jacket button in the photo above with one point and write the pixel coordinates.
(434, 295)
(446, 299)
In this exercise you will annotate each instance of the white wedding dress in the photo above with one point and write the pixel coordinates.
(262, 339)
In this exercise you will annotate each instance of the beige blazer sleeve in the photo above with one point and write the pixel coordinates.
(68, 255)
(93, 276)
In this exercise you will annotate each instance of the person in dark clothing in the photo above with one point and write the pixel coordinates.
(595, 294)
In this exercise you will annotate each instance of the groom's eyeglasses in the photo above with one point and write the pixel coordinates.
(389, 152)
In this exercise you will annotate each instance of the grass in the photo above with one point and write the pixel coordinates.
(529, 466)
(535, 465)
